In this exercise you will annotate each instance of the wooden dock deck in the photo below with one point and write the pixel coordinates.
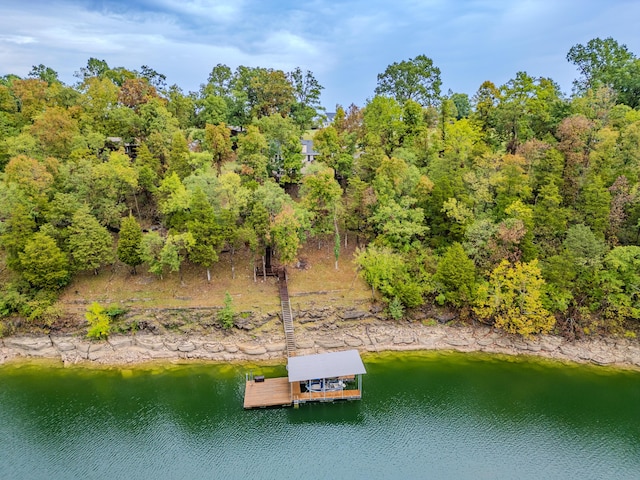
(273, 392)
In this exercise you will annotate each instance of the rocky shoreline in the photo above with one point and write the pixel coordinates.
(259, 337)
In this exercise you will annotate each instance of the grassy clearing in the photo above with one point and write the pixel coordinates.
(318, 284)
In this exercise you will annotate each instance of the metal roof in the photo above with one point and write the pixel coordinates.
(325, 365)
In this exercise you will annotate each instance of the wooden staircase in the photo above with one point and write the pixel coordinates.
(287, 315)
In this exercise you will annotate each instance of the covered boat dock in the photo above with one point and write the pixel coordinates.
(324, 377)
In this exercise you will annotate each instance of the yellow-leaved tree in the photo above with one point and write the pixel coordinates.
(512, 298)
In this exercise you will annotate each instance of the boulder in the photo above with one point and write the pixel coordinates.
(120, 342)
(353, 314)
(457, 341)
(28, 344)
(213, 347)
(186, 347)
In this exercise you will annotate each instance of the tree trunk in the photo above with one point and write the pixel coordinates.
(253, 264)
(233, 267)
(264, 269)
(208, 275)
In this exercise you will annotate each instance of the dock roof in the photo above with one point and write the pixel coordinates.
(325, 365)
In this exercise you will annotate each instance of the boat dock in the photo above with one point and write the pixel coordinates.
(346, 367)
(278, 392)
(324, 377)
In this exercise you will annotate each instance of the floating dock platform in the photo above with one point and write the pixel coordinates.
(263, 392)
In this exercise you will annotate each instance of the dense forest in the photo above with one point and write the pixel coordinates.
(518, 206)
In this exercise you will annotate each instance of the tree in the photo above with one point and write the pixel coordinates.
(225, 314)
(179, 156)
(130, 243)
(136, 91)
(621, 284)
(285, 149)
(306, 91)
(44, 265)
(455, 276)
(414, 79)
(383, 125)
(252, 154)
(90, 244)
(285, 235)
(399, 224)
(152, 245)
(462, 103)
(42, 72)
(388, 272)
(175, 251)
(599, 62)
(513, 299)
(99, 322)
(321, 196)
(217, 140)
(55, 131)
(206, 232)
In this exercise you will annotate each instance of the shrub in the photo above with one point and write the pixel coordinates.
(99, 322)
(225, 315)
(396, 309)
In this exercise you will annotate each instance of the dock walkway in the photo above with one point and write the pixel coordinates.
(287, 315)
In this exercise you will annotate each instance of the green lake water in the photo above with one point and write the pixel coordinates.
(422, 416)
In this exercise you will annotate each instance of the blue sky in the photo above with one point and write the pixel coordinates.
(344, 43)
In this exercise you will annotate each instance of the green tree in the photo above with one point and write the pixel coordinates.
(389, 273)
(217, 140)
(285, 235)
(179, 156)
(455, 276)
(206, 232)
(620, 282)
(152, 246)
(383, 125)
(130, 243)
(252, 154)
(513, 299)
(599, 62)
(90, 244)
(225, 314)
(414, 79)
(99, 322)
(44, 265)
(44, 73)
(285, 149)
(306, 90)
(399, 224)
(321, 196)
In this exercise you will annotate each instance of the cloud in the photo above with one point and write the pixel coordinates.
(346, 44)
(17, 39)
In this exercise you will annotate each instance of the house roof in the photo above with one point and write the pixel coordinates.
(307, 147)
(325, 365)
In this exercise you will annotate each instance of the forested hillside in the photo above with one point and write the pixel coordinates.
(518, 206)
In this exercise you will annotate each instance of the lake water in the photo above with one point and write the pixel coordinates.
(422, 416)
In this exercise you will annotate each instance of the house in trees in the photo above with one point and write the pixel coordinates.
(116, 143)
(307, 150)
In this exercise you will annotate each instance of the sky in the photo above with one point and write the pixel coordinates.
(346, 44)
